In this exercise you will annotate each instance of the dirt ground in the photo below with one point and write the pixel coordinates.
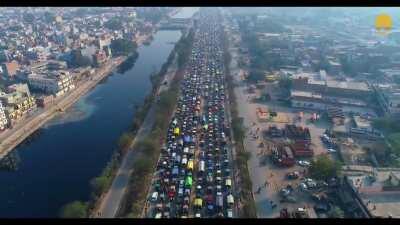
(268, 178)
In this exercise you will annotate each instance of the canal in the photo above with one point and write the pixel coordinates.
(57, 166)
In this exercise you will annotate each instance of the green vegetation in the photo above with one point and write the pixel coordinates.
(285, 83)
(78, 60)
(336, 212)
(183, 50)
(256, 76)
(149, 149)
(49, 16)
(125, 140)
(323, 168)
(114, 23)
(128, 63)
(248, 209)
(394, 140)
(387, 124)
(391, 128)
(74, 209)
(122, 47)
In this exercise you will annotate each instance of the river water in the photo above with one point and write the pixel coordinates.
(57, 166)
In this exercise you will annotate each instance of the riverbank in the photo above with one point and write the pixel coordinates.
(109, 204)
(10, 139)
(25, 128)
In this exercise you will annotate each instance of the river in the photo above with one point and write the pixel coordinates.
(57, 166)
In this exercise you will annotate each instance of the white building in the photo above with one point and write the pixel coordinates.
(57, 83)
(3, 119)
(309, 100)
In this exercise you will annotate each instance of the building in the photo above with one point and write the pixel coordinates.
(347, 88)
(44, 100)
(3, 119)
(379, 191)
(104, 40)
(23, 88)
(320, 83)
(56, 83)
(334, 67)
(9, 69)
(303, 99)
(389, 99)
(16, 105)
(100, 57)
(42, 55)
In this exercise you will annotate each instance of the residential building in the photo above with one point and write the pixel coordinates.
(100, 57)
(16, 105)
(3, 119)
(56, 83)
(9, 69)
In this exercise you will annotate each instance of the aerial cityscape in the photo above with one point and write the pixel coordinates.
(199, 112)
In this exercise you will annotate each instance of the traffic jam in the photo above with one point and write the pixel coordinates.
(194, 177)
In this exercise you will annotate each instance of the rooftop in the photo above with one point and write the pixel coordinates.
(307, 94)
(348, 85)
(381, 203)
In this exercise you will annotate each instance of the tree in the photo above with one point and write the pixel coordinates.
(125, 140)
(114, 23)
(148, 146)
(323, 168)
(394, 140)
(336, 212)
(256, 76)
(49, 17)
(387, 124)
(76, 209)
(99, 184)
(78, 60)
(122, 47)
(285, 83)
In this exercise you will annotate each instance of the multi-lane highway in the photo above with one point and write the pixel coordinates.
(194, 172)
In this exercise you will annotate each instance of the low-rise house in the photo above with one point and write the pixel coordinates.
(9, 70)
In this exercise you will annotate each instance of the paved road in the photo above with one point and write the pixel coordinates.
(111, 202)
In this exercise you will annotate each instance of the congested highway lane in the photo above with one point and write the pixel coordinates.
(194, 172)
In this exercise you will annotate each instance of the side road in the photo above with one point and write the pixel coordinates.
(111, 201)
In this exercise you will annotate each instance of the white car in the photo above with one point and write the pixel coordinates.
(303, 186)
(304, 163)
(154, 196)
(331, 150)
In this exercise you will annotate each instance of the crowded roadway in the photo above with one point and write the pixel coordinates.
(194, 171)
